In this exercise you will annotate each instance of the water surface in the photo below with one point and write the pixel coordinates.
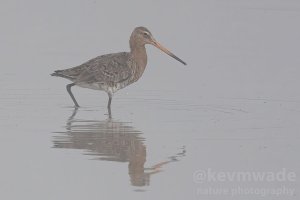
(234, 108)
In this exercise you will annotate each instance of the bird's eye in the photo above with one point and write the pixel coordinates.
(146, 34)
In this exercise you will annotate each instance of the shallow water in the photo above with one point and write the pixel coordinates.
(234, 108)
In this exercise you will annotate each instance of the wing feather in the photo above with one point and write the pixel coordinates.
(107, 69)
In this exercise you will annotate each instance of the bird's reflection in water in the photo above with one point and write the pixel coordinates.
(112, 140)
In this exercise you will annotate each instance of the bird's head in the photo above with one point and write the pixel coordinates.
(141, 36)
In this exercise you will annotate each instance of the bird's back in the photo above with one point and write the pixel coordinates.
(110, 70)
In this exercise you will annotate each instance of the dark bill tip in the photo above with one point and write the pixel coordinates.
(178, 59)
(158, 45)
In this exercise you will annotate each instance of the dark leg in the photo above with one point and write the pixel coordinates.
(108, 105)
(71, 119)
(71, 94)
(109, 112)
(109, 100)
(73, 114)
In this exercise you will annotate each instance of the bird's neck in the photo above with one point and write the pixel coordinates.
(139, 56)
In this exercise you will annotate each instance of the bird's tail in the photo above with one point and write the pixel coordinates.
(60, 73)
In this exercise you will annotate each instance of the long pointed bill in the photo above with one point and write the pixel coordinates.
(156, 44)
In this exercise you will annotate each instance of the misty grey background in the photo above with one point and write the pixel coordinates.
(235, 106)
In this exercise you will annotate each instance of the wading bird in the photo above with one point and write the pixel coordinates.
(112, 72)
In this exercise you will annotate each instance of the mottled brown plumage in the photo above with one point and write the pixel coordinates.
(112, 72)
